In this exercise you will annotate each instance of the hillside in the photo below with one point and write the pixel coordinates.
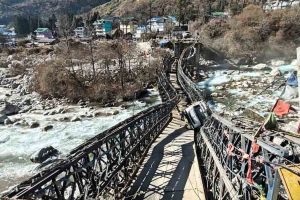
(250, 32)
(255, 34)
(141, 8)
(44, 8)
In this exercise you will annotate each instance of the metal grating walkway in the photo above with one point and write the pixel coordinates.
(170, 169)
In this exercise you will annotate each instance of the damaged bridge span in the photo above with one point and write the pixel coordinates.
(152, 155)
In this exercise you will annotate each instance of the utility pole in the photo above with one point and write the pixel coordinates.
(38, 20)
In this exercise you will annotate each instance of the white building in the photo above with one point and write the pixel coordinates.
(103, 27)
(139, 31)
(80, 32)
(275, 5)
(8, 33)
(158, 24)
(43, 33)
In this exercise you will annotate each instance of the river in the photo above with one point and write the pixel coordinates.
(17, 144)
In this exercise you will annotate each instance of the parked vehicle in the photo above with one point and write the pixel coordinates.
(186, 34)
(196, 114)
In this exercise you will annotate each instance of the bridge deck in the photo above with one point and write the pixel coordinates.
(170, 170)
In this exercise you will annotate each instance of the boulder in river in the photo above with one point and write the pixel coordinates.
(34, 124)
(64, 119)
(25, 109)
(9, 109)
(3, 117)
(44, 154)
(244, 61)
(7, 121)
(26, 101)
(75, 119)
(21, 123)
(47, 128)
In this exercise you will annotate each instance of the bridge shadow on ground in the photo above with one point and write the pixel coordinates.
(166, 172)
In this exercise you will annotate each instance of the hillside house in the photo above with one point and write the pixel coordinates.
(9, 34)
(158, 24)
(2, 28)
(139, 31)
(103, 27)
(43, 33)
(128, 25)
(220, 15)
(275, 5)
(80, 32)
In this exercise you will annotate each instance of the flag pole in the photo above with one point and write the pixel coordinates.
(298, 69)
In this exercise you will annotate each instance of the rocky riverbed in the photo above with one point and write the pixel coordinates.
(251, 91)
(29, 123)
(63, 128)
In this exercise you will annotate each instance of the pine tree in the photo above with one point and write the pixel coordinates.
(22, 25)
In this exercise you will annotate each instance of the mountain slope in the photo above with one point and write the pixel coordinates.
(141, 8)
(44, 8)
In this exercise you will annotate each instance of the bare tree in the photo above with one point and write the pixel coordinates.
(169, 28)
(2, 39)
(65, 25)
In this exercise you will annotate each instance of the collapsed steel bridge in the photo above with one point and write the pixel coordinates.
(236, 165)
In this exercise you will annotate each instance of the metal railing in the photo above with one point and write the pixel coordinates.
(188, 86)
(236, 165)
(105, 165)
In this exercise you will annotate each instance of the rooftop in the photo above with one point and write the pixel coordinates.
(101, 21)
(79, 28)
(41, 30)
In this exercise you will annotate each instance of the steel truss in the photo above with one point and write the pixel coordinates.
(104, 166)
(188, 86)
(236, 166)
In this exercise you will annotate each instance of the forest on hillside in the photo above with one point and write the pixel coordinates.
(9, 9)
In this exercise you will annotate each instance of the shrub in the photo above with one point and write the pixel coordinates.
(290, 24)
(252, 15)
(255, 33)
(18, 68)
(215, 28)
(53, 80)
